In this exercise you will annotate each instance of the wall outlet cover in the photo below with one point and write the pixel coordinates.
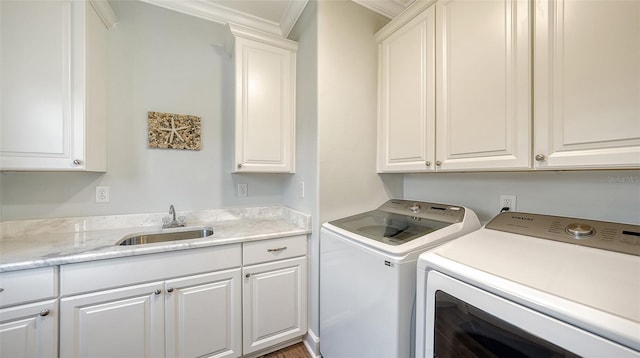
(102, 194)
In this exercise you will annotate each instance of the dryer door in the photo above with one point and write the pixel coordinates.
(463, 320)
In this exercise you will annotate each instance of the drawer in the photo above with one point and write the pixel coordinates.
(27, 286)
(275, 249)
(125, 271)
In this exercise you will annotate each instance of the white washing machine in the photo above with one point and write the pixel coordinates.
(529, 285)
(368, 275)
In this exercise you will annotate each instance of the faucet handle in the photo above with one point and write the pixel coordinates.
(166, 220)
(182, 220)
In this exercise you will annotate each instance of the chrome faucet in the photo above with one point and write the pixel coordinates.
(170, 222)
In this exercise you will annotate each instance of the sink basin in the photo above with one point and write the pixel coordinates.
(166, 235)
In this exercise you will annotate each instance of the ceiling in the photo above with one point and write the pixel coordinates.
(276, 17)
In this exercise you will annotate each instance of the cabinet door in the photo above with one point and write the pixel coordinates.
(29, 330)
(43, 77)
(587, 84)
(203, 315)
(406, 112)
(483, 111)
(274, 303)
(265, 107)
(124, 322)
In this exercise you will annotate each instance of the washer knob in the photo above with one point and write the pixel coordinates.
(414, 208)
(579, 230)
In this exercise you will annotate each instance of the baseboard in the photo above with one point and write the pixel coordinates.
(312, 343)
(273, 348)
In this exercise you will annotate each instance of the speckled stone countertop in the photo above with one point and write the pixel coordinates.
(37, 243)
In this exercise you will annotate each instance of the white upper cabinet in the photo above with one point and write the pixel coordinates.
(406, 98)
(454, 87)
(483, 82)
(265, 76)
(587, 84)
(53, 85)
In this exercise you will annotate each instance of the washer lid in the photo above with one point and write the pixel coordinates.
(389, 228)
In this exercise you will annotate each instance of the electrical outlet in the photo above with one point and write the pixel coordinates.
(508, 201)
(300, 190)
(102, 194)
(243, 190)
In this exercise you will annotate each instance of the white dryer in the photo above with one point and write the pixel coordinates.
(530, 285)
(368, 275)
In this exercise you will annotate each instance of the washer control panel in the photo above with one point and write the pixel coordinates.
(425, 210)
(604, 235)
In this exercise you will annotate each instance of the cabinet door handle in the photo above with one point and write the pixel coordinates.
(239, 166)
(158, 291)
(540, 158)
(427, 163)
(277, 249)
(77, 161)
(1, 289)
(44, 313)
(170, 289)
(247, 275)
(438, 163)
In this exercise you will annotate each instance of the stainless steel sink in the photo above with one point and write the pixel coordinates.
(166, 235)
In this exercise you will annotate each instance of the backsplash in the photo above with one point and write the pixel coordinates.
(10, 229)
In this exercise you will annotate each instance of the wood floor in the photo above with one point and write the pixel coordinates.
(294, 351)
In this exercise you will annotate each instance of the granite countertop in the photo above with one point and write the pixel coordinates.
(38, 243)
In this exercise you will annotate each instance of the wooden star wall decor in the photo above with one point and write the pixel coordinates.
(174, 131)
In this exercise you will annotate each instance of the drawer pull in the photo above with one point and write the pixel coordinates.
(44, 313)
(277, 249)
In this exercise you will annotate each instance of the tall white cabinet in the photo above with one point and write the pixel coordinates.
(53, 85)
(587, 84)
(455, 87)
(265, 77)
(406, 98)
(483, 109)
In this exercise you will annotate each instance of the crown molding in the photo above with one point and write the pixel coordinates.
(211, 11)
(390, 9)
(105, 12)
(291, 16)
(403, 18)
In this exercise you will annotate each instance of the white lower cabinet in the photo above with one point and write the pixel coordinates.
(188, 303)
(29, 330)
(202, 315)
(29, 313)
(196, 316)
(163, 306)
(123, 322)
(274, 297)
(275, 303)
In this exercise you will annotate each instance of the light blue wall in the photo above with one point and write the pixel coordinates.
(159, 60)
(597, 195)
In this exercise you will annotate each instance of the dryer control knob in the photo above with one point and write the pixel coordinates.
(414, 208)
(578, 230)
